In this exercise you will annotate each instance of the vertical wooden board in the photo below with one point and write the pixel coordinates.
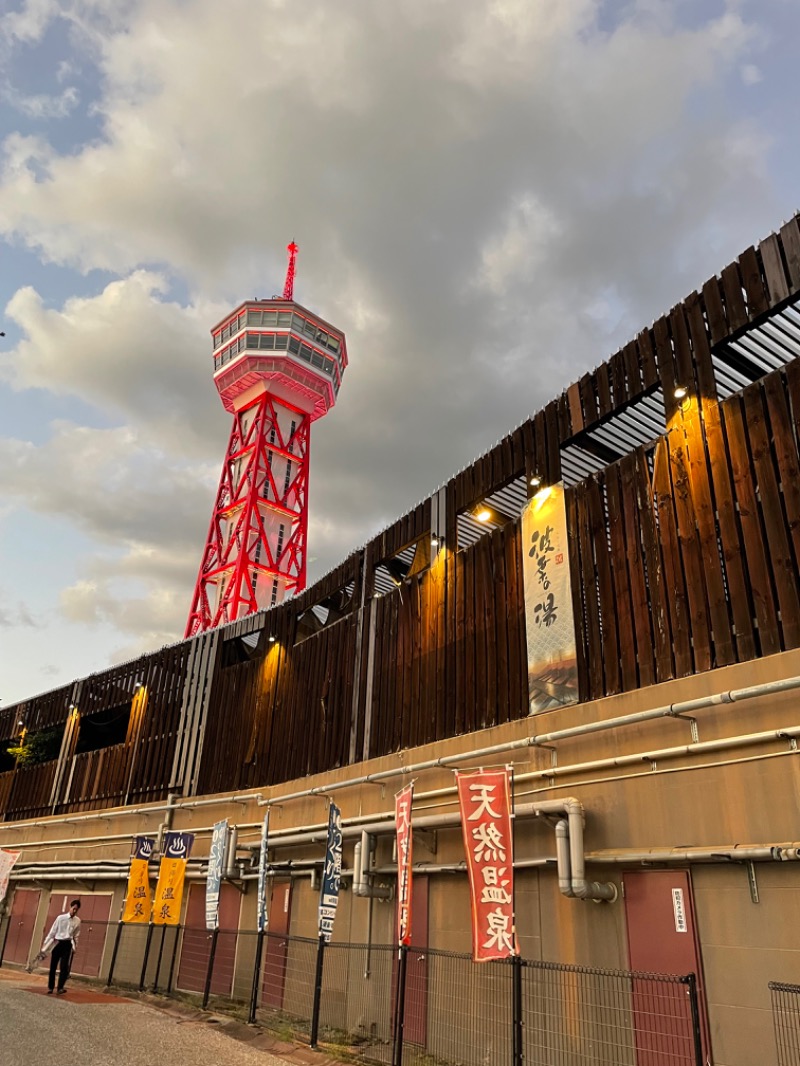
(753, 283)
(581, 638)
(694, 563)
(517, 673)
(575, 407)
(588, 399)
(460, 644)
(703, 505)
(442, 592)
(790, 239)
(666, 369)
(416, 620)
(684, 366)
(588, 581)
(735, 308)
(605, 587)
(500, 607)
(553, 444)
(604, 402)
(540, 442)
(727, 523)
(645, 650)
(655, 578)
(777, 283)
(379, 723)
(677, 601)
(405, 648)
(633, 371)
(715, 311)
(647, 359)
(449, 643)
(623, 606)
(618, 383)
(485, 666)
(757, 568)
(781, 558)
(564, 417)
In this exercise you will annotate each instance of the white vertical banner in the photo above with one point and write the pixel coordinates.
(262, 912)
(7, 860)
(216, 861)
(549, 618)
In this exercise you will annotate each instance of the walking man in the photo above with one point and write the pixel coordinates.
(65, 931)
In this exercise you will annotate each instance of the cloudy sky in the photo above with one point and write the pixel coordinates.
(489, 197)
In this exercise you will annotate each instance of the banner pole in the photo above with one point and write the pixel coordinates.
(256, 978)
(174, 957)
(146, 955)
(400, 1012)
(117, 939)
(317, 992)
(160, 955)
(210, 970)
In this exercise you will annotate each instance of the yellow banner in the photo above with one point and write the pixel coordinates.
(171, 874)
(137, 900)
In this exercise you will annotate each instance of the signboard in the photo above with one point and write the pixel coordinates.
(7, 860)
(137, 897)
(263, 868)
(402, 819)
(549, 619)
(331, 875)
(485, 801)
(679, 910)
(171, 874)
(216, 860)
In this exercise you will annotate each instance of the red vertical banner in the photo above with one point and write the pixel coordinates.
(485, 801)
(402, 818)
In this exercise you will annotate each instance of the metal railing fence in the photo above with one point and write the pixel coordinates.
(786, 1021)
(421, 1006)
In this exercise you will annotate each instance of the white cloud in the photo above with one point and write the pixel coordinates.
(488, 197)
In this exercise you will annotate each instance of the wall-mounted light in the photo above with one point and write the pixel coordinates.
(681, 392)
(434, 541)
(272, 640)
(536, 481)
(137, 686)
(482, 514)
(20, 723)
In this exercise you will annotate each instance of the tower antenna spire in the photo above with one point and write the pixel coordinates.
(288, 288)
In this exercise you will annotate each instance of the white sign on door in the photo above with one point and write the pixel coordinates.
(679, 910)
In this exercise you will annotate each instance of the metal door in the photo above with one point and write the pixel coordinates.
(24, 908)
(662, 938)
(415, 1029)
(196, 945)
(276, 945)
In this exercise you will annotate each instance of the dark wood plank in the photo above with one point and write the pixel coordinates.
(777, 282)
(618, 383)
(645, 650)
(576, 582)
(575, 407)
(780, 556)
(659, 614)
(790, 239)
(647, 359)
(674, 579)
(622, 592)
(715, 311)
(604, 402)
(588, 579)
(633, 370)
(735, 307)
(758, 570)
(588, 399)
(605, 587)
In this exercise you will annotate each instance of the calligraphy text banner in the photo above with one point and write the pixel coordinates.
(171, 874)
(402, 815)
(485, 801)
(138, 897)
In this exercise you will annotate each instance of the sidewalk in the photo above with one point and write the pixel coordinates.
(257, 1045)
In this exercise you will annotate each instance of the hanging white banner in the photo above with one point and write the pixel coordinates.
(7, 860)
(549, 619)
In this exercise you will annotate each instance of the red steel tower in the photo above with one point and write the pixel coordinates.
(277, 368)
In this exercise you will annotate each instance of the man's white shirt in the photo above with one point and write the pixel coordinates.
(65, 927)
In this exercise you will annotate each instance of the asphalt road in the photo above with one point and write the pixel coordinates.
(41, 1030)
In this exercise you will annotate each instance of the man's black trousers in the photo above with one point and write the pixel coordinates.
(62, 954)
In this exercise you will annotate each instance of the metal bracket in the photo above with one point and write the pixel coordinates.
(428, 838)
(751, 880)
(791, 740)
(692, 723)
(237, 883)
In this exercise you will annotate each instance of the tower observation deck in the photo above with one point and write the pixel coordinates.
(277, 367)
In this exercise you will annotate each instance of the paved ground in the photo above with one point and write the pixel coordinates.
(84, 1027)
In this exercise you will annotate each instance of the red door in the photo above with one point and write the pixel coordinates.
(415, 1030)
(196, 946)
(20, 925)
(662, 939)
(276, 944)
(94, 914)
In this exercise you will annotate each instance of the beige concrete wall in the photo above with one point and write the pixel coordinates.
(746, 795)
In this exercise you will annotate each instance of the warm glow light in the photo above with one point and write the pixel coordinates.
(272, 640)
(434, 542)
(137, 686)
(535, 481)
(680, 392)
(483, 515)
(542, 494)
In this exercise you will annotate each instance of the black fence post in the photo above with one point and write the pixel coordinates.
(160, 956)
(317, 993)
(115, 950)
(517, 1056)
(256, 978)
(400, 1007)
(174, 957)
(146, 956)
(691, 982)
(210, 970)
